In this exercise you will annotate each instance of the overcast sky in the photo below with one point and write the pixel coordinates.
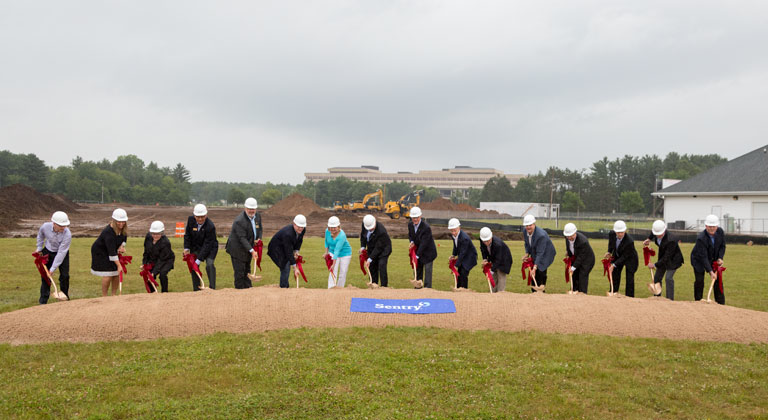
(260, 91)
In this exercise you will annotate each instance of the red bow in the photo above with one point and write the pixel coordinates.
(719, 270)
(363, 259)
(568, 263)
(299, 262)
(452, 266)
(607, 265)
(259, 248)
(527, 264)
(146, 274)
(412, 255)
(40, 261)
(329, 262)
(191, 265)
(647, 254)
(123, 260)
(487, 271)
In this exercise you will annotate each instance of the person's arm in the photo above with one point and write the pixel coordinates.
(341, 239)
(40, 238)
(242, 234)
(209, 243)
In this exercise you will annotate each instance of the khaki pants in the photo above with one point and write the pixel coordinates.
(501, 281)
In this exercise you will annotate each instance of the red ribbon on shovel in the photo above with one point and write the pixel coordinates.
(191, 265)
(329, 264)
(363, 259)
(452, 266)
(123, 260)
(719, 270)
(527, 264)
(259, 248)
(146, 274)
(647, 254)
(487, 271)
(299, 262)
(606, 266)
(412, 256)
(40, 262)
(568, 263)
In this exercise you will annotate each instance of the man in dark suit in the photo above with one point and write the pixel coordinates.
(375, 239)
(464, 253)
(539, 248)
(200, 239)
(577, 246)
(284, 247)
(621, 247)
(495, 251)
(246, 230)
(670, 258)
(710, 247)
(420, 235)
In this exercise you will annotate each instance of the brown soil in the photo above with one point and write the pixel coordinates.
(17, 201)
(297, 204)
(134, 317)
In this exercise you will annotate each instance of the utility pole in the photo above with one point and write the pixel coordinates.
(102, 191)
(551, 191)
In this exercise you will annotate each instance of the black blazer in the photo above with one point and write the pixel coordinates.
(240, 241)
(159, 254)
(464, 251)
(670, 256)
(104, 247)
(283, 244)
(499, 256)
(704, 253)
(202, 242)
(379, 245)
(626, 255)
(584, 256)
(423, 241)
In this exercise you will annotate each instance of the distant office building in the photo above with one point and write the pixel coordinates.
(459, 178)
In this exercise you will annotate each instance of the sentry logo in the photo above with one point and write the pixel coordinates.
(403, 306)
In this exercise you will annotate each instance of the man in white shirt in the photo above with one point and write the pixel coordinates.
(54, 239)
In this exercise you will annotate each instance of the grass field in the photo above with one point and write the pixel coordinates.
(410, 373)
(584, 225)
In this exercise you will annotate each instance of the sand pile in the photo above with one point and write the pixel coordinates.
(20, 201)
(295, 204)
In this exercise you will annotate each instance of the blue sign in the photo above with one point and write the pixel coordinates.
(403, 306)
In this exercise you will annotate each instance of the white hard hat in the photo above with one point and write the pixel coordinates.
(333, 221)
(120, 215)
(619, 226)
(569, 229)
(415, 212)
(369, 221)
(200, 210)
(156, 227)
(659, 227)
(300, 220)
(60, 218)
(453, 223)
(529, 220)
(250, 203)
(711, 220)
(485, 234)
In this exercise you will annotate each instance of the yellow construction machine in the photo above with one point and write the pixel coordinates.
(371, 202)
(403, 206)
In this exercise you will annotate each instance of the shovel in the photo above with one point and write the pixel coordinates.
(607, 272)
(489, 276)
(414, 262)
(371, 284)
(61, 296)
(718, 269)
(251, 276)
(330, 263)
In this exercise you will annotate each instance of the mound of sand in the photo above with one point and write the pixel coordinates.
(297, 204)
(134, 317)
(20, 201)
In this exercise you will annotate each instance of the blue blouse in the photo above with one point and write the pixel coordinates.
(338, 247)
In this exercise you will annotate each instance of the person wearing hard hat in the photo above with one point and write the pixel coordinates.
(284, 247)
(105, 250)
(420, 235)
(495, 251)
(374, 238)
(200, 240)
(670, 259)
(577, 246)
(54, 240)
(464, 253)
(709, 248)
(539, 248)
(246, 230)
(621, 248)
(338, 247)
(158, 252)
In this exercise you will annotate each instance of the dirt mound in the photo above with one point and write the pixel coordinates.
(295, 204)
(270, 308)
(19, 201)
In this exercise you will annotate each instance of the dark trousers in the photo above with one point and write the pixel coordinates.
(669, 278)
(630, 289)
(163, 277)
(463, 279)
(378, 269)
(541, 278)
(580, 279)
(210, 271)
(242, 269)
(424, 273)
(45, 289)
(285, 273)
(698, 288)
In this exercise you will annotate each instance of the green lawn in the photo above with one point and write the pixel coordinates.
(585, 225)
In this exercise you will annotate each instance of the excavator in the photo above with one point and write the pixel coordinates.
(402, 207)
(371, 202)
